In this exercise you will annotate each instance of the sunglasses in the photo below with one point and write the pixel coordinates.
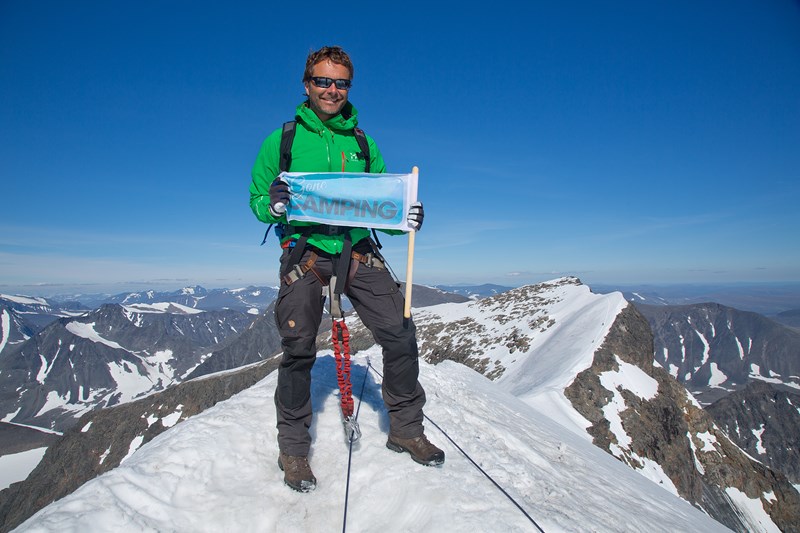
(324, 83)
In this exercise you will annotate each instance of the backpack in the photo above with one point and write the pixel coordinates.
(287, 138)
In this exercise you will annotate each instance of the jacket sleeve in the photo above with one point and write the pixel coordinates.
(265, 169)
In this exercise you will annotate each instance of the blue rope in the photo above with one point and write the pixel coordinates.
(481, 470)
(350, 453)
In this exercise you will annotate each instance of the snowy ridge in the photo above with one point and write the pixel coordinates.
(161, 307)
(533, 340)
(217, 471)
(25, 300)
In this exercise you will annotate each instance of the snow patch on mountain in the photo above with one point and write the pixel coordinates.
(87, 331)
(162, 307)
(25, 300)
(16, 466)
(5, 328)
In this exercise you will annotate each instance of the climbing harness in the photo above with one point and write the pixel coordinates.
(343, 273)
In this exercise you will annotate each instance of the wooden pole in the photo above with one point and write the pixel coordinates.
(410, 264)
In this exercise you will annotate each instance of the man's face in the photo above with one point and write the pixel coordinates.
(327, 103)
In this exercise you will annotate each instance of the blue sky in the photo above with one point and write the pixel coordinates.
(628, 142)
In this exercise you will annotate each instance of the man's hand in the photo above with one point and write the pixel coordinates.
(415, 215)
(278, 197)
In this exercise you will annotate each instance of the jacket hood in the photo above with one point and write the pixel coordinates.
(344, 121)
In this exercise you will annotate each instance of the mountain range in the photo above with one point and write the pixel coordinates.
(585, 361)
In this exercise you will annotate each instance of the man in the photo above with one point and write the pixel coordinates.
(326, 141)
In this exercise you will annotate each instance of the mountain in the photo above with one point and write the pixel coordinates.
(789, 318)
(217, 471)
(764, 421)
(764, 298)
(16, 439)
(108, 356)
(248, 299)
(23, 316)
(422, 296)
(587, 361)
(715, 350)
(474, 292)
(571, 415)
(104, 438)
(14, 328)
(260, 340)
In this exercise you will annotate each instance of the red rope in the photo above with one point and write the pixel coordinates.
(341, 349)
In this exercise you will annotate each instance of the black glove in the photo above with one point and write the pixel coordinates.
(415, 215)
(278, 197)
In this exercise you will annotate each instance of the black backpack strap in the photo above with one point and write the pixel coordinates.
(297, 251)
(285, 160)
(287, 138)
(361, 139)
(376, 240)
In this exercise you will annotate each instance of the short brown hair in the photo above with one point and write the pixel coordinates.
(334, 54)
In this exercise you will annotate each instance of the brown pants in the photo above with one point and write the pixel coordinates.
(378, 301)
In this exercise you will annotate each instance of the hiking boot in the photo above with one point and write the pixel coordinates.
(420, 449)
(297, 473)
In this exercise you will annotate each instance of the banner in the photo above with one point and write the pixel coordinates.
(379, 201)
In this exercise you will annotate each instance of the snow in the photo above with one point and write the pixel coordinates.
(757, 433)
(43, 369)
(104, 455)
(135, 444)
(636, 381)
(87, 331)
(582, 321)
(55, 400)
(5, 328)
(131, 384)
(683, 348)
(708, 440)
(706, 347)
(718, 377)
(172, 419)
(162, 307)
(630, 377)
(16, 466)
(697, 464)
(673, 371)
(740, 348)
(24, 300)
(37, 428)
(167, 421)
(217, 471)
(753, 509)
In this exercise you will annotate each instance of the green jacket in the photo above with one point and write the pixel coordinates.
(317, 147)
